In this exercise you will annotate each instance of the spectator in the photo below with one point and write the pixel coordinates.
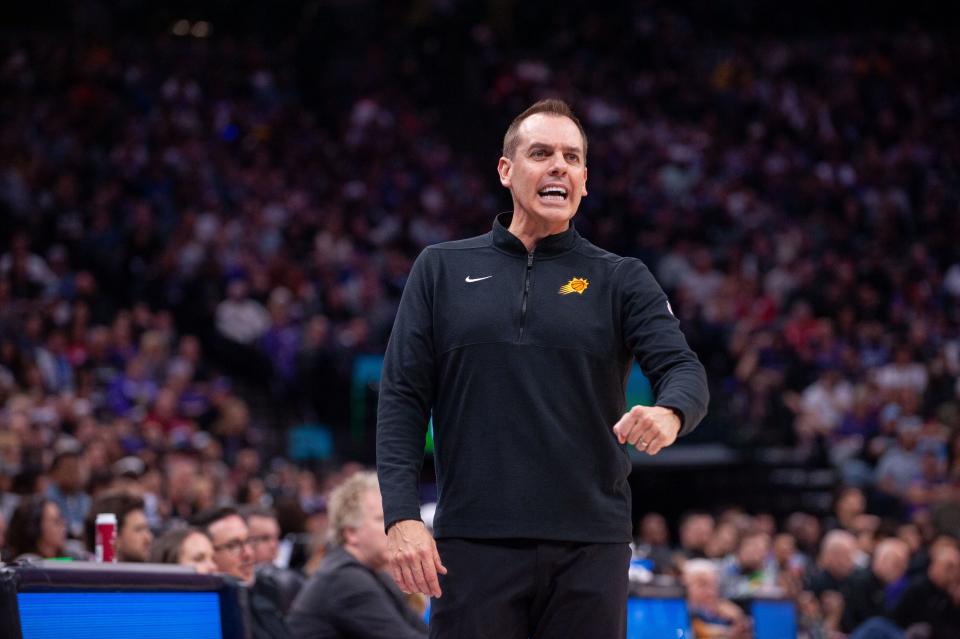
(37, 530)
(710, 615)
(874, 591)
(233, 556)
(837, 561)
(134, 536)
(654, 542)
(350, 595)
(696, 529)
(66, 490)
(265, 540)
(186, 547)
(933, 598)
(751, 570)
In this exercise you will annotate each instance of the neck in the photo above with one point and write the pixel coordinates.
(530, 230)
(47, 550)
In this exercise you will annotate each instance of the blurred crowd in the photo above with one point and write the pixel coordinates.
(852, 573)
(188, 224)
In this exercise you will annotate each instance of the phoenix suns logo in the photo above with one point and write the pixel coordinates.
(576, 285)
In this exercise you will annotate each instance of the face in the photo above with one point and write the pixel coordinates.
(654, 530)
(547, 175)
(753, 550)
(231, 546)
(696, 532)
(197, 551)
(702, 589)
(367, 541)
(944, 568)
(838, 558)
(265, 537)
(891, 559)
(53, 529)
(133, 542)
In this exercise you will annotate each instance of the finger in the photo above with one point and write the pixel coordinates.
(436, 562)
(430, 576)
(409, 585)
(395, 572)
(656, 445)
(621, 428)
(419, 579)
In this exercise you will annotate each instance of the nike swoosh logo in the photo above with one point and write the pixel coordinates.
(471, 280)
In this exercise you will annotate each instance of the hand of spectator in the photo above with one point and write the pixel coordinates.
(414, 560)
(649, 429)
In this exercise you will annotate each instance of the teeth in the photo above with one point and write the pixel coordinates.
(554, 192)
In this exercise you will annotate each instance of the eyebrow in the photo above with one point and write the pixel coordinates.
(544, 145)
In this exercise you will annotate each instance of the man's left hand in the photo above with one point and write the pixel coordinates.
(649, 429)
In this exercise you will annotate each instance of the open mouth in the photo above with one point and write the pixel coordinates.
(553, 193)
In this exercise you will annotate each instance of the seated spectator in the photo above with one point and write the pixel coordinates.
(696, 530)
(873, 591)
(134, 536)
(711, 616)
(66, 488)
(350, 595)
(37, 530)
(835, 564)
(233, 556)
(750, 570)
(186, 547)
(654, 542)
(265, 539)
(933, 599)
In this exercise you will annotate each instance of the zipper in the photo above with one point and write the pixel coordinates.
(526, 293)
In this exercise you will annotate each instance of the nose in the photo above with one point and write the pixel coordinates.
(558, 165)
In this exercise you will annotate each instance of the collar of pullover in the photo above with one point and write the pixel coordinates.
(506, 241)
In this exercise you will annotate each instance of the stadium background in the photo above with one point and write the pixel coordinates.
(207, 212)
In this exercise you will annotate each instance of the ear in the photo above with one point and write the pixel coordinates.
(504, 168)
(349, 535)
(584, 181)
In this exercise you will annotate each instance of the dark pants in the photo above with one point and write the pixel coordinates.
(520, 589)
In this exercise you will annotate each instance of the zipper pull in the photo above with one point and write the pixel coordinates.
(530, 259)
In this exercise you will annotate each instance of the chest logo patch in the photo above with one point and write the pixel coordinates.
(576, 285)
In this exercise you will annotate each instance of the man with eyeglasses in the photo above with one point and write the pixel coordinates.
(265, 539)
(233, 555)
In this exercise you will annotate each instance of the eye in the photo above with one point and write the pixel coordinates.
(538, 153)
(573, 158)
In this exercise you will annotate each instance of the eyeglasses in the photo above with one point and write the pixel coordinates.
(234, 545)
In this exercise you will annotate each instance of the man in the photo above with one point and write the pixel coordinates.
(751, 569)
(872, 592)
(134, 536)
(68, 476)
(519, 343)
(836, 562)
(933, 598)
(350, 595)
(233, 556)
(264, 534)
(265, 540)
(710, 614)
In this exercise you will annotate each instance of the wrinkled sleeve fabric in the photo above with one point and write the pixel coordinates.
(406, 395)
(652, 333)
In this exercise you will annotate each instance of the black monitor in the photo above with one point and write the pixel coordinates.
(82, 600)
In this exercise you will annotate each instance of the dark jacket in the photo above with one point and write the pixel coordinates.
(522, 360)
(864, 596)
(345, 599)
(264, 614)
(925, 602)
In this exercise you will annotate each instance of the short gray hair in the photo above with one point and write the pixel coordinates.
(346, 504)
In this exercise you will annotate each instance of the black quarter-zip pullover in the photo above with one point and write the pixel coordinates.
(522, 360)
